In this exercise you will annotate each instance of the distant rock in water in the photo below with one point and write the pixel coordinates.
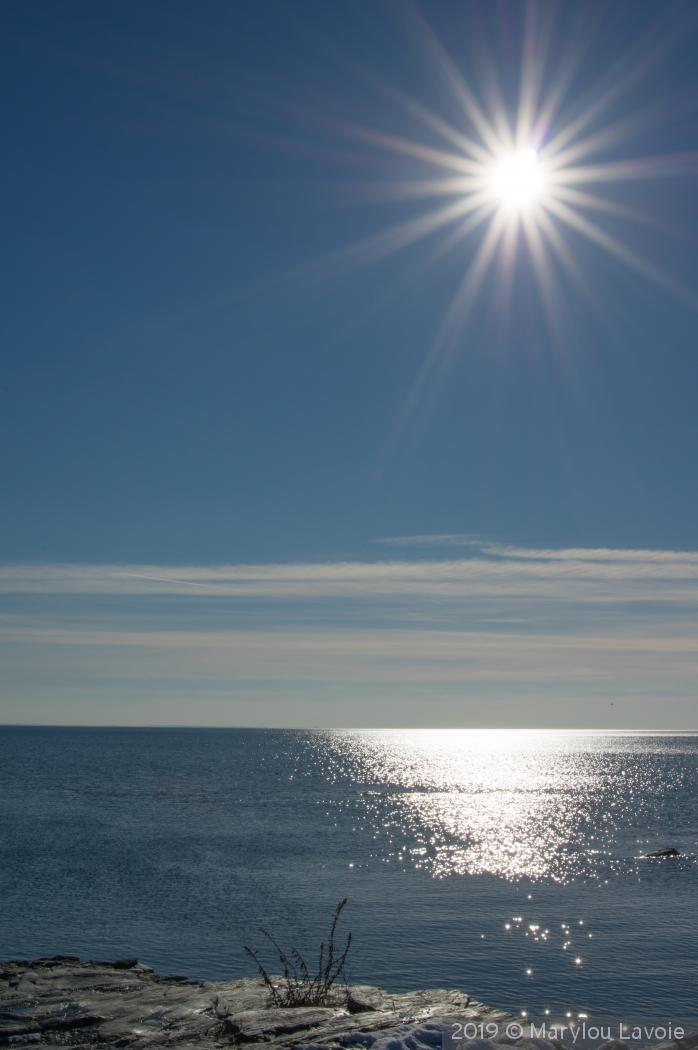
(668, 852)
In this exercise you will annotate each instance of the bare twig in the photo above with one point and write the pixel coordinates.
(299, 988)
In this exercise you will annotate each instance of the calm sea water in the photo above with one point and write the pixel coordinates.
(504, 863)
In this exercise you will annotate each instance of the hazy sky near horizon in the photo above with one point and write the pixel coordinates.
(299, 423)
(505, 637)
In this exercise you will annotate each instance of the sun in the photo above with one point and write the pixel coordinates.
(518, 180)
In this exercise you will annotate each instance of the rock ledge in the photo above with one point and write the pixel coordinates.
(64, 1002)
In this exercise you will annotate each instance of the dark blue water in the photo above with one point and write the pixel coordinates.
(470, 858)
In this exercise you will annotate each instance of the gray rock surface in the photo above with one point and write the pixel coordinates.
(68, 1003)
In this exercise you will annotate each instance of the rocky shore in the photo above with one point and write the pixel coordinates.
(64, 1002)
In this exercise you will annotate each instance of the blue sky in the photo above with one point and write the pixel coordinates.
(213, 357)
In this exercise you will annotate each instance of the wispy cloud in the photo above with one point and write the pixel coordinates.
(577, 575)
(507, 636)
(451, 539)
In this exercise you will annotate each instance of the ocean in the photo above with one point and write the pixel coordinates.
(505, 863)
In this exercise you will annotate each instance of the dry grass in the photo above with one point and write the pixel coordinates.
(298, 987)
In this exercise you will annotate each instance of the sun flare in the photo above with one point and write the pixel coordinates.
(518, 181)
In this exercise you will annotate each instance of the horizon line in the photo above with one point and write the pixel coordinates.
(359, 729)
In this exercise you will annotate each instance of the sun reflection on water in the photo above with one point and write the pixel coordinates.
(540, 805)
